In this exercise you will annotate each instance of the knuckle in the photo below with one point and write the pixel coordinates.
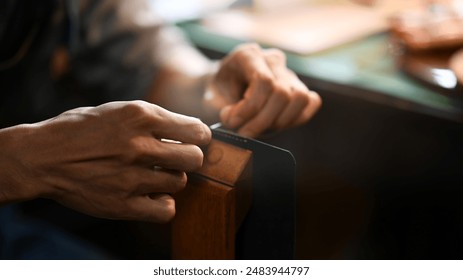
(241, 55)
(251, 108)
(136, 107)
(301, 98)
(142, 113)
(275, 56)
(264, 78)
(281, 92)
(265, 81)
(279, 53)
(139, 148)
(245, 51)
(127, 182)
(249, 47)
(174, 182)
(137, 113)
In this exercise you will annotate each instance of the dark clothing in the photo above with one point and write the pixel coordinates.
(112, 55)
(115, 47)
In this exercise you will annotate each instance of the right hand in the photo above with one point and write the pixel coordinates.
(109, 161)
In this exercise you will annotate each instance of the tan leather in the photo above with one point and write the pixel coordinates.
(213, 205)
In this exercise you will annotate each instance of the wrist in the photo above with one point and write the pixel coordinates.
(16, 175)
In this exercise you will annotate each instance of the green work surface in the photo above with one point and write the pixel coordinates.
(363, 69)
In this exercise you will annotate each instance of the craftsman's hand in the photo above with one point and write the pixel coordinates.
(257, 92)
(107, 161)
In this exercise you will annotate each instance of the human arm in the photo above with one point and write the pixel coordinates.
(107, 161)
(251, 90)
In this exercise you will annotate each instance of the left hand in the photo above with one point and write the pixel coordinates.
(255, 92)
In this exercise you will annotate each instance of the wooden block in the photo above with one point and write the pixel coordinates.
(204, 226)
(213, 205)
(209, 211)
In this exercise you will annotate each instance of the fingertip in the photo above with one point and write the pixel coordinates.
(315, 99)
(165, 205)
(206, 135)
(229, 119)
(314, 105)
(196, 160)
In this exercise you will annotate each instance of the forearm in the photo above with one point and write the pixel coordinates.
(182, 79)
(153, 60)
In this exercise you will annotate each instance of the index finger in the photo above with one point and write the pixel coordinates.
(259, 79)
(169, 125)
(184, 129)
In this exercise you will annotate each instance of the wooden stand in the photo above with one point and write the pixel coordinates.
(210, 209)
(213, 205)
